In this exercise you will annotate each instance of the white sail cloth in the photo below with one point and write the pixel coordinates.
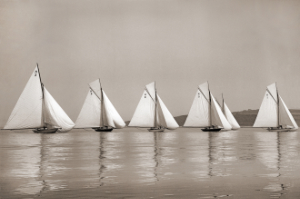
(269, 114)
(27, 113)
(230, 118)
(199, 114)
(111, 115)
(93, 114)
(89, 115)
(54, 114)
(34, 111)
(144, 115)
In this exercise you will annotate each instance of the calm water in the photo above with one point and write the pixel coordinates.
(134, 163)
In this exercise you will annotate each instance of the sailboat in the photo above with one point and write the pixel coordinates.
(230, 118)
(273, 113)
(97, 111)
(37, 109)
(152, 112)
(206, 112)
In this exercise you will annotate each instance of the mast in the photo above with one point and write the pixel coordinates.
(42, 87)
(209, 106)
(155, 110)
(101, 105)
(223, 104)
(277, 105)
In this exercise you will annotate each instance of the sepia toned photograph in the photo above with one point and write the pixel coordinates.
(149, 99)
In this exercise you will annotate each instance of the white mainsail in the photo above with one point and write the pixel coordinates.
(273, 112)
(36, 108)
(199, 112)
(230, 118)
(89, 115)
(97, 112)
(27, 113)
(267, 115)
(144, 115)
(203, 105)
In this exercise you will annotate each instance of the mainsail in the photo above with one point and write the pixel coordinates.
(152, 112)
(36, 108)
(205, 111)
(273, 112)
(230, 118)
(97, 110)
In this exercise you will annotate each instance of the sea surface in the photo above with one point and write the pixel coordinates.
(134, 163)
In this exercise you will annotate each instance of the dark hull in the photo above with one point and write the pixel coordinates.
(156, 130)
(103, 129)
(212, 129)
(45, 130)
(280, 130)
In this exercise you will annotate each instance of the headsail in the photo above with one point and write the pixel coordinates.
(218, 118)
(89, 115)
(55, 115)
(165, 118)
(230, 118)
(27, 113)
(285, 117)
(112, 117)
(267, 115)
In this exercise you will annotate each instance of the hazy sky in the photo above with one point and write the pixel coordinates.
(239, 46)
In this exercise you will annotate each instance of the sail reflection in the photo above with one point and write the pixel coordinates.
(275, 151)
(20, 154)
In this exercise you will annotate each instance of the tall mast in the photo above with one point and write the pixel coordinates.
(42, 87)
(155, 111)
(209, 105)
(277, 105)
(101, 104)
(223, 104)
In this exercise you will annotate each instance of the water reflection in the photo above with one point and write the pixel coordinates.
(134, 163)
(275, 151)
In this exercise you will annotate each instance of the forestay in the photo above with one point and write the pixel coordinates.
(27, 113)
(89, 115)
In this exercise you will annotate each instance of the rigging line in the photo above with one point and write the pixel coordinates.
(94, 92)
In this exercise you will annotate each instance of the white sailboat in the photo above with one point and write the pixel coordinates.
(37, 109)
(273, 113)
(98, 112)
(230, 118)
(206, 112)
(152, 112)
